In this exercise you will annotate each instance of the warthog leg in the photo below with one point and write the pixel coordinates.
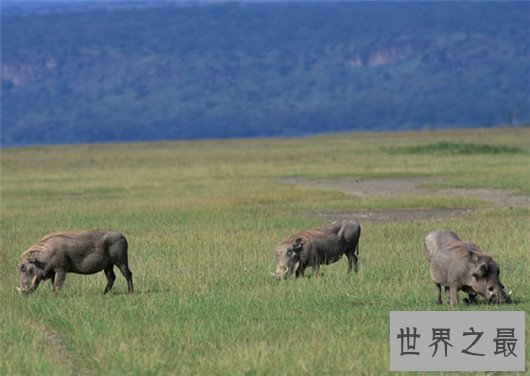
(316, 270)
(300, 271)
(58, 281)
(52, 279)
(439, 294)
(109, 273)
(128, 276)
(471, 298)
(352, 262)
(453, 295)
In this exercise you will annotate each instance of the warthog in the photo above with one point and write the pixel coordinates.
(81, 252)
(461, 266)
(322, 245)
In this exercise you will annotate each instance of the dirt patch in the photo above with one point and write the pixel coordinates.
(58, 350)
(410, 187)
(407, 187)
(393, 214)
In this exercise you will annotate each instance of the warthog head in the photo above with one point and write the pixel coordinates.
(486, 282)
(288, 258)
(31, 272)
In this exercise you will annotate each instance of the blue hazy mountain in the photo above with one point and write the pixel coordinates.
(125, 71)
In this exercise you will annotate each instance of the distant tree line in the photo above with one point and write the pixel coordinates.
(173, 71)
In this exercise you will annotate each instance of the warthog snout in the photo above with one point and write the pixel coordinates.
(25, 291)
(500, 297)
(280, 273)
(28, 279)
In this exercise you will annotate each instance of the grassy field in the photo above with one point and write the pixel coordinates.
(202, 220)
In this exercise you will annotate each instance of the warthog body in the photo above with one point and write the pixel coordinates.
(81, 252)
(317, 246)
(461, 266)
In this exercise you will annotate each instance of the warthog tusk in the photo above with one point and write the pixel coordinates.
(34, 282)
(273, 274)
(18, 289)
(510, 292)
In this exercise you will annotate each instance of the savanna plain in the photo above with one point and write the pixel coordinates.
(202, 220)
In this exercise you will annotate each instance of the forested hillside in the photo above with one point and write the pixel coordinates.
(146, 71)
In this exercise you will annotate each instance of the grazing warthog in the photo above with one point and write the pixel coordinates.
(81, 252)
(462, 266)
(322, 245)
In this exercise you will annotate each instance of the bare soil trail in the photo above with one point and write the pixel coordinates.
(407, 187)
(57, 349)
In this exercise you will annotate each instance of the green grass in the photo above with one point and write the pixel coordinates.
(455, 148)
(202, 219)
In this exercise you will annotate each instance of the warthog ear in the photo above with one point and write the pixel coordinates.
(481, 270)
(298, 244)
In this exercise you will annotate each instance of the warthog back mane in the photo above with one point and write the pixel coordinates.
(470, 247)
(42, 244)
(313, 233)
(59, 234)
